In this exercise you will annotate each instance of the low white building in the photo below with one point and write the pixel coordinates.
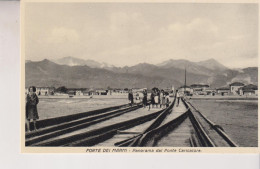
(185, 90)
(234, 87)
(77, 91)
(211, 91)
(101, 92)
(42, 91)
(223, 91)
(249, 90)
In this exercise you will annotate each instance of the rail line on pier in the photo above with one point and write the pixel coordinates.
(178, 125)
(194, 133)
(75, 122)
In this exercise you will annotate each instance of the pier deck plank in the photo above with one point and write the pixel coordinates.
(127, 116)
(176, 112)
(178, 137)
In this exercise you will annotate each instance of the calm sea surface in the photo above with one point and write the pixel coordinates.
(238, 118)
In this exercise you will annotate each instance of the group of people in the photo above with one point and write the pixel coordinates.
(158, 98)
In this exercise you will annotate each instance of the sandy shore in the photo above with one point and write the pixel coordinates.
(84, 97)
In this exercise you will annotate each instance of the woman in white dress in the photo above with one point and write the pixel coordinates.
(156, 99)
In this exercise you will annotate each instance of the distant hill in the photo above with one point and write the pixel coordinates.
(207, 67)
(72, 61)
(248, 75)
(212, 64)
(190, 66)
(48, 73)
(172, 73)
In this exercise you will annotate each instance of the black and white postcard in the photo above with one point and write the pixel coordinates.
(139, 77)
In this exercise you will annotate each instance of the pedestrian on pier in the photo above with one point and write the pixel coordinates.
(162, 99)
(152, 99)
(156, 98)
(167, 99)
(131, 97)
(31, 107)
(177, 97)
(159, 98)
(144, 98)
(137, 96)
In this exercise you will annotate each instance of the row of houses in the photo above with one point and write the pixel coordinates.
(238, 88)
(235, 88)
(45, 91)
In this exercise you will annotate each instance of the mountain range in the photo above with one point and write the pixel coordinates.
(74, 72)
(72, 61)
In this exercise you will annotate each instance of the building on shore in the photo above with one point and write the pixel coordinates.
(223, 91)
(187, 90)
(89, 91)
(136, 90)
(199, 89)
(168, 90)
(101, 92)
(234, 87)
(42, 91)
(211, 92)
(77, 91)
(248, 90)
(120, 91)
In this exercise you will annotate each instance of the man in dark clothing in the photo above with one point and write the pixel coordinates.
(131, 97)
(144, 98)
(177, 97)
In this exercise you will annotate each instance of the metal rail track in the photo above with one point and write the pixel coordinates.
(217, 128)
(77, 123)
(58, 120)
(95, 136)
(160, 128)
(140, 139)
(152, 135)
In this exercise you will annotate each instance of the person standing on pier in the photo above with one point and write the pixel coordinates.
(144, 98)
(152, 100)
(177, 97)
(131, 97)
(162, 99)
(137, 96)
(156, 98)
(31, 107)
(167, 99)
(159, 99)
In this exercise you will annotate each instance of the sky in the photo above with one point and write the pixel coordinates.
(130, 33)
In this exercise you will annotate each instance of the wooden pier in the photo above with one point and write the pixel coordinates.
(132, 126)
